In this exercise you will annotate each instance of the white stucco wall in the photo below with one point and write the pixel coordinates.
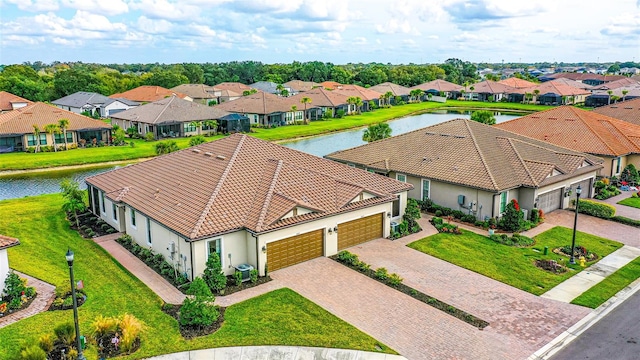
(4, 267)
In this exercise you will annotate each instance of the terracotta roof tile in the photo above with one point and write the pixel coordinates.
(195, 91)
(440, 85)
(330, 85)
(21, 121)
(554, 87)
(170, 110)
(320, 97)
(396, 90)
(625, 82)
(299, 85)
(7, 242)
(490, 87)
(358, 91)
(467, 153)
(586, 76)
(257, 103)
(580, 130)
(240, 182)
(147, 93)
(628, 111)
(7, 99)
(233, 86)
(517, 83)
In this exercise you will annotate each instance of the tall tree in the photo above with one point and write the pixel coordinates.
(74, 201)
(376, 132)
(63, 124)
(305, 100)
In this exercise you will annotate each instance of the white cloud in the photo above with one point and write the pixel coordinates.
(360, 40)
(88, 21)
(35, 5)
(624, 25)
(111, 7)
(156, 26)
(163, 9)
(21, 39)
(202, 30)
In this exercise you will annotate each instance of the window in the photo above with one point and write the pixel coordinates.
(215, 246)
(148, 231)
(401, 177)
(396, 208)
(189, 127)
(503, 201)
(618, 163)
(60, 138)
(114, 209)
(31, 139)
(102, 202)
(133, 218)
(425, 189)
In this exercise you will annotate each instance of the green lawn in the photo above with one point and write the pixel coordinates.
(142, 149)
(511, 265)
(631, 201)
(277, 318)
(610, 286)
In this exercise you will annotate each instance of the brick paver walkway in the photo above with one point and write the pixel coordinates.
(46, 293)
(249, 293)
(612, 230)
(167, 292)
(622, 210)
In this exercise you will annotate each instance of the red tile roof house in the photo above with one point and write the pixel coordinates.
(476, 168)
(616, 141)
(17, 132)
(487, 91)
(628, 111)
(440, 87)
(366, 94)
(148, 93)
(395, 89)
(550, 93)
(255, 202)
(170, 117)
(9, 102)
(324, 101)
(266, 109)
(5, 243)
(200, 93)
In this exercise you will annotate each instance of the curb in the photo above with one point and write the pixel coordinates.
(562, 340)
(276, 352)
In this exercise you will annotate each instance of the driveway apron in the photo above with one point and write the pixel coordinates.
(608, 229)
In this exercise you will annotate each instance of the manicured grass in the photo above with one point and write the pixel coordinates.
(511, 265)
(610, 286)
(631, 201)
(142, 149)
(277, 318)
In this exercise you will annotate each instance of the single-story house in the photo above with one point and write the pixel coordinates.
(550, 93)
(9, 102)
(252, 202)
(236, 87)
(330, 85)
(170, 117)
(517, 83)
(200, 93)
(323, 101)
(616, 141)
(93, 103)
(271, 87)
(5, 243)
(622, 83)
(628, 111)
(395, 89)
(366, 94)
(602, 97)
(266, 109)
(17, 128)
(487, 91)
(440, 87)
(149, 93)
(586, 78)
(301, 86)
(477, 168)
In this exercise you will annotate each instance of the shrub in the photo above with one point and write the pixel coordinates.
(131, 328)
(626, 221)
(340, 114)
(237, 276)
(513, 218)
(394, 280)
(213, 275)
(457, 214)
(149, 136)
(437, 220)
(33, 352)
(45, 342)
(196, 140)
(166, 147)
(348, 258)
(515, 240)
(596, 209)
(104, 325)
(438, 213)
(382, 273)
(253, 276)
(65, 333)
(469, 218)
(535, 216)
(197, 310)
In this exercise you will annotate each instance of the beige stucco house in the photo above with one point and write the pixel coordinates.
(477, 168)
(5, 243)
(251, 201)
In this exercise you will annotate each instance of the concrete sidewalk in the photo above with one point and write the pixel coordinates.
(276, 353)
(571, 288)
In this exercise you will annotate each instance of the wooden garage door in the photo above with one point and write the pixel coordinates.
(294, 250)
(358, 231)
(550, 201)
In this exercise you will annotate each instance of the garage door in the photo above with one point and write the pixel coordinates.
(550, 201)
(358, 231)
(294, 250)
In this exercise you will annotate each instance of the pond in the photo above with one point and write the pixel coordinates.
(17, 186)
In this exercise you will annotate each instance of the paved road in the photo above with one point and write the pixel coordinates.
(616, 336)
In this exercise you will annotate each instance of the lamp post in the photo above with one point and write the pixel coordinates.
(69, 257)
(575, 224)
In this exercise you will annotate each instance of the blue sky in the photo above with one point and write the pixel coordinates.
(338, 31)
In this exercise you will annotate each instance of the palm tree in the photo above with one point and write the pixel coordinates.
(279, 88)
(52, 129)
(359, 104)
(37, 131)
(537, 92)
(305, 100)
(609, 92)
(294, 109)
(376, 132)
(211, 124)
(64, 124)
(351, 101)
(388, 95)
(624, 94)
(197, 125)
(381, 101)
(284, 93)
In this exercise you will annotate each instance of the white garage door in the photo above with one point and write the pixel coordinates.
(550, 201)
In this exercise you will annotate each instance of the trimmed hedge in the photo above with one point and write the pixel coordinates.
(626, 221)
(597, 209)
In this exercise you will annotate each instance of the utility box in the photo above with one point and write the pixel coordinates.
(461, 199)
(394, 227)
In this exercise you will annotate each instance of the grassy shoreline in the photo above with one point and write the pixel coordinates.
(18, 162)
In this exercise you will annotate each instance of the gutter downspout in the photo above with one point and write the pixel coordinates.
(193, 275)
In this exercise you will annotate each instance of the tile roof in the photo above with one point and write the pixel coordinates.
(21, 121)
(241, 182)
(517, 83)
(628, 111)
(147, 93)
(630, 92)
(490, 87)
(233, 86)
(257, 103)
(440, 85)
(626, 82)
(573, 83)
(299, 85)
(7, 242)
(579, 130)
(7, 98)
(396, 90)
(585, 76)
(471, 154)
(268, 86)
(122, 100)
(321, 97)
(196, 91)
(365, 94)
(330, 85)
(553, 87)
(80, 99)
(170, 110)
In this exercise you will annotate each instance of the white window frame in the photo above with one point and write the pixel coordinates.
(500, 210)
(219, 240)
(422, 189)
(132, 218)
(398, 177)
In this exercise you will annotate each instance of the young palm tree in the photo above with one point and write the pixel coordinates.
(609, 92)
(351, 101)
(624, 94)
(63, 124)
(37, 131)
(536, 92)
(359, 104)
(52, 129)
(197, 125)
(388, 95)
(305, 100)
(376, 132)
(294, 109)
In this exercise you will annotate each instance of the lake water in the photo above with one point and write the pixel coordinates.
(18, 186)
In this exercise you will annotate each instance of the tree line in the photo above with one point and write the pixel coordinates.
(46, 82)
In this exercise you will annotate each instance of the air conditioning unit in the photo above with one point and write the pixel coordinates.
(394, 227)
(526, 214)
(245, 269)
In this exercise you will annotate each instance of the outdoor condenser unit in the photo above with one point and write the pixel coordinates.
(245, 269)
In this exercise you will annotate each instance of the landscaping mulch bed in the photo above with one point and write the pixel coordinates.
(81, 298)
(230, 289)
(191, 332)
(429, 300)
(551, 266)
(23, 307)
(90, 225)
(107, 349)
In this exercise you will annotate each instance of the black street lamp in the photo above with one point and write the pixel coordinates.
(575, 224)
(69, 257)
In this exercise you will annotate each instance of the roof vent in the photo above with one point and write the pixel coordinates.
(221, 157)
(208, 154)
(628, 107)
(196, 151)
